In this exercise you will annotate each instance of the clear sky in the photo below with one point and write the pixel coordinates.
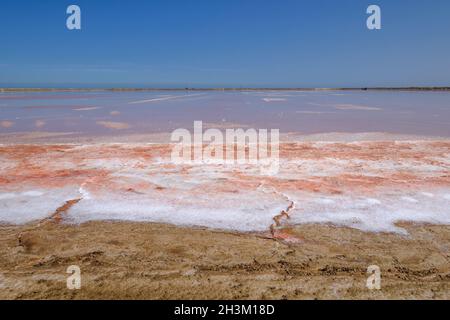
(210, 43)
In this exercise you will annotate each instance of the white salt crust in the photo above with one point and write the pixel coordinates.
(211, 195)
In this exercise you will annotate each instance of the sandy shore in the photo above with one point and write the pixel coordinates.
(153, 261)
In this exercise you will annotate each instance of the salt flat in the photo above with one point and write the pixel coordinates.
(368, 186)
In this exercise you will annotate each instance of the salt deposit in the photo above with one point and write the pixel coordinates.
(368, 186)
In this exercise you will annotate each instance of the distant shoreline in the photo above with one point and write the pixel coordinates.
(221, 89)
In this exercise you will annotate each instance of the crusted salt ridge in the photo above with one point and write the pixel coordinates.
(284, 214)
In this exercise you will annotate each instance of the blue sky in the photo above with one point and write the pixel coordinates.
(310, 43)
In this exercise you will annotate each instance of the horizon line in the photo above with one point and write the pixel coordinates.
(56, 89)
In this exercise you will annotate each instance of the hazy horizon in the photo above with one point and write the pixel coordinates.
(131, 86)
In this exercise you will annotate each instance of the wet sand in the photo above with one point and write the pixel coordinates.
(123, 260)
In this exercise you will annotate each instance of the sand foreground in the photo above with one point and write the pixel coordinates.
(150, 261)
